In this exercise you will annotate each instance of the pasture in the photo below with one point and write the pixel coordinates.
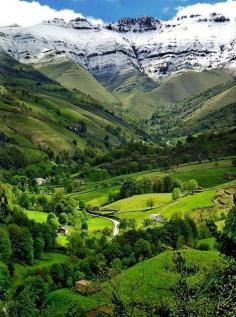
(139, 202)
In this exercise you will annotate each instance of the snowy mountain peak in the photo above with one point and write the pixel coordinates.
(140, 24)
(192, 41)
(78, 23)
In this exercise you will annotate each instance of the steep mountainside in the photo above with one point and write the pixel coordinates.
(37, 114)
(137, 66)
(139, 63)
(213, 109)
(73, 76)
(141, 97)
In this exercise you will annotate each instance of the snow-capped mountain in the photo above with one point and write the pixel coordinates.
(159, 49)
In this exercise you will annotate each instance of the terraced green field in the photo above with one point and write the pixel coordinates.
(139, 202)
(96, 197)
(180, 207)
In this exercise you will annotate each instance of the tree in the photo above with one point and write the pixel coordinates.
(22, 243)
(49, 235)
(82, 205)
(75, 310)
(99, 174)
(193, 185)
(24, 200)
(150, 203)
(4, 280)
(146, 185)
(168, 184)
(130, 187)
(52, 219)
(227, 239)
(142, 249)
(76, 245)
(188, 296)
(180, 242)
(69, 187)
(177, 184)
(63, 219)
(38, 247)
(6, 197)
(5, 246)
(43, 202)
(23, 306)
(176, 193)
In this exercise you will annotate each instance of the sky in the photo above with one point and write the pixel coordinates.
(29, 12)
(112, 10)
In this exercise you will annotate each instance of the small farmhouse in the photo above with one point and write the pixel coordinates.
(63, 230)
(199, 190)
(157, 218)
(41, 181)
(229, 176)
(85, 287)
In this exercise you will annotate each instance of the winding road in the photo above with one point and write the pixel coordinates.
(115, 223)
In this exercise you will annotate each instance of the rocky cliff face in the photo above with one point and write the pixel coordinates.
(145, 44)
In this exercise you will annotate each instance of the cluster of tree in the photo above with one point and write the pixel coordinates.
(136, 156)
(143, 185)
(98, 254)
(24, 239)
(214, 294)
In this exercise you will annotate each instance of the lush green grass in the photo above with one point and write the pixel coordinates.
(96, 197)
(95, 224)
(181, 207)
(147, 281)
(188, 203)
(206, 177)
(139, 202)
(60, 299)
(98, 224)
(38, 216)
(152, 275)
(211, 242)
(48, 259)
(204, 165)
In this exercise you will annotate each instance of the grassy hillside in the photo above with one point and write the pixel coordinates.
(214, 108)
(73, 76)
(144, 279)
(37, 113)
(142, 97)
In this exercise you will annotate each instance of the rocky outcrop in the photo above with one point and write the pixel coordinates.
(159, 49)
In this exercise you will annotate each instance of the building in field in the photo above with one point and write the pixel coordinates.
(63, 231)
(41, 181)
(85, 287)
(157, 218)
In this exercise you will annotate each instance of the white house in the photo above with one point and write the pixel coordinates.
(41, 181)
(157, 218)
